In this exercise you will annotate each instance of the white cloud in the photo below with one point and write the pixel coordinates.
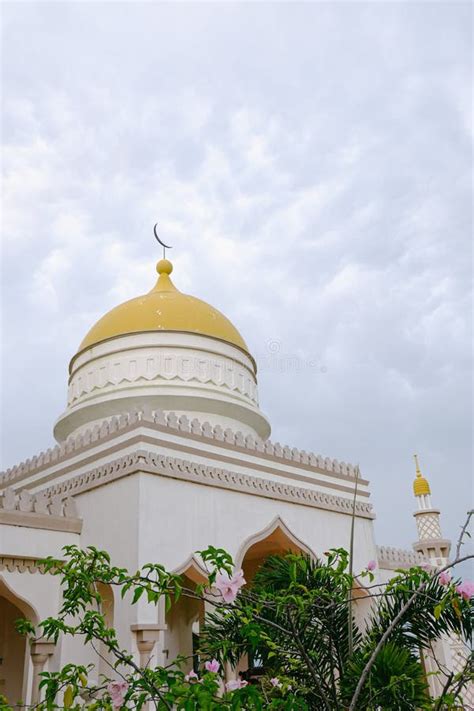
(310, 166)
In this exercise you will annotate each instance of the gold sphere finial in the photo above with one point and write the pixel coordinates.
(164, 266)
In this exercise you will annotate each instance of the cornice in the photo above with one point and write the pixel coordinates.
(194, 429)
(175, 468)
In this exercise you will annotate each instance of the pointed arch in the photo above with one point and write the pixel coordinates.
(20, 602)
(14, 649)
(192, 569)
(276, 537)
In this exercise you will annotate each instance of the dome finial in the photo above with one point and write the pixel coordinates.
(418, 472)
(165, 246)
(421, 486)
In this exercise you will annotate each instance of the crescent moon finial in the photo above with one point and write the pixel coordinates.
(165, 246)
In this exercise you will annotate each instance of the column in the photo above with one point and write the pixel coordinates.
(41, 650)
(146, 636)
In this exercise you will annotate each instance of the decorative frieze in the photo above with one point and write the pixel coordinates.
(131, 367)
(392, 558)
(20, 565)
(170, 421)
(39, 503)
(54, 513)
(153, 463)
(74, 444)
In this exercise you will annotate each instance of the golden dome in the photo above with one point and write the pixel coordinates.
(421, 486)
(164, 308)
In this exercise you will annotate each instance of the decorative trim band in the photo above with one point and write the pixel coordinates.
(392, 558)
(128, 368)
(149, 462)
(193, 429)
(21, 565)
(39, 511)
(34, 520)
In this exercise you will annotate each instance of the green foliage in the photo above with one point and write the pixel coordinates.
(294, 615)
(436, 610)
(396, 680)
(4, 705)
(293, 618)
(219, 560)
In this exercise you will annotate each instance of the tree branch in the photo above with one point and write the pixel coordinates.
(463, 533)
(398, 617)
(309, 662)
(381, 642)
(444, 691)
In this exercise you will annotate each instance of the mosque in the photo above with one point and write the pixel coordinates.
(163, 450)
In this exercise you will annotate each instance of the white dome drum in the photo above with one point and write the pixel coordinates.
(169, 351)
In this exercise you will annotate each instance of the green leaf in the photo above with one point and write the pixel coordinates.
(137, 594)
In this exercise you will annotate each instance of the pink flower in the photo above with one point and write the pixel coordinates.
(235, 684)
(466, 590)
(444, 578)
(212, 666)
(192, 677)
(229, 587)
(371, 565)
(117, 690)
(275, 682)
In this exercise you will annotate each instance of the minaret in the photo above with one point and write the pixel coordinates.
(449, 651)
(430, 539)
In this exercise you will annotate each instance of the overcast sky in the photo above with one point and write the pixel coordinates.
(310, 164)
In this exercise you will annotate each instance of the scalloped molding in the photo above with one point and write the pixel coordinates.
(192, 429)
(53, 513)
(21, 565)
(149, 462)
(392, 558)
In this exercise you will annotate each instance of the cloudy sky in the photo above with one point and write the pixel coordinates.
(310, 164)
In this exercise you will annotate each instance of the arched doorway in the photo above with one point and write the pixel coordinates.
(106, 659)
(275, 539)
(185, 619)
(14, 650)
